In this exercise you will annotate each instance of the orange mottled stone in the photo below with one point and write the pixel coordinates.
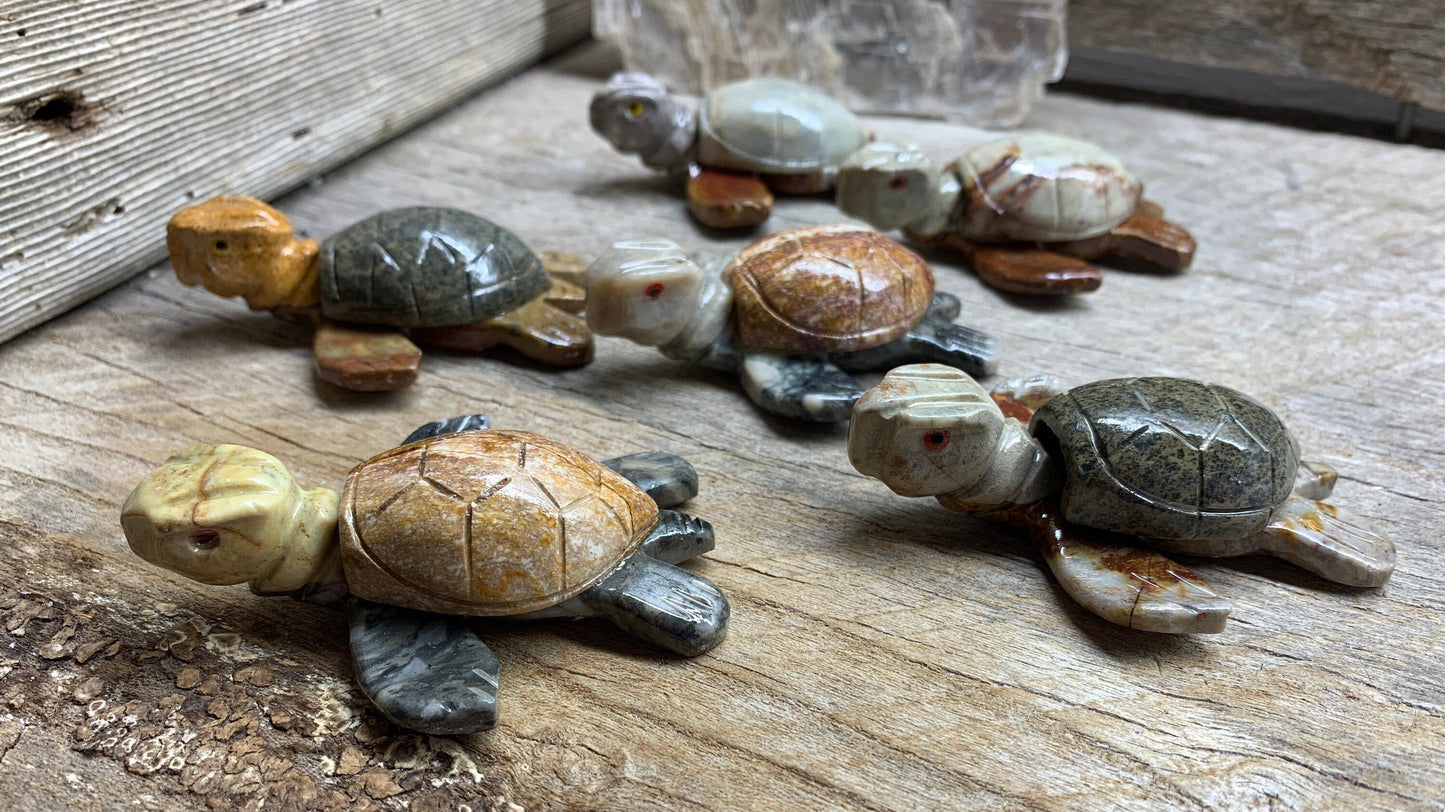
(827, 289)
(486, 523)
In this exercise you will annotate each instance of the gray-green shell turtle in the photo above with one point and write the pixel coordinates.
(1168, 458)
(775, 126)
(426, 267)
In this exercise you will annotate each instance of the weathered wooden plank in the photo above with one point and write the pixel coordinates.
(113, 113)
(885, 654)
(1395, 49)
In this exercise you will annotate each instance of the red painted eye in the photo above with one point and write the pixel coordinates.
(655, 290)
(936, 440)
(205, 539)
(898, 183)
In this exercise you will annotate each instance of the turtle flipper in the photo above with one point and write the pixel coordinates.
(678, 537)
(934, 340)
(563, 266)
(661, 603)
(667, 478)
(1132, 587)
(566, 295)
(452, 425)
(364, 359)
(720, 199)
(1315, 480)
(537, 329)
(1034, 271)
(1143, 237)
(1329, 542)
(800, 388)
(428, 673)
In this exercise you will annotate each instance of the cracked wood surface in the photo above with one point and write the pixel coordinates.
(885, 653)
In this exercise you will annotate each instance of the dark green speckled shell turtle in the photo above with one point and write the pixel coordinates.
(1168, 458)
(426, 267)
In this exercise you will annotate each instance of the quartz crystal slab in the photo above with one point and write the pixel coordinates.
(980, 61)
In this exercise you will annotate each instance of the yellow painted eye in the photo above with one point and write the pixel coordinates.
(635, 109)
(222, 246)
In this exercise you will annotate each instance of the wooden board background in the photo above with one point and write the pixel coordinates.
(113, 113)
(1395, 49)
(884, 653)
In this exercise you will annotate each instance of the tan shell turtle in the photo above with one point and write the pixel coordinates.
(790, 314)
(460, 521)
(486, 523)
(831, 288)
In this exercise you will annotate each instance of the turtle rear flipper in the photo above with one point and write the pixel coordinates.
(429, 673)
(667, 478)
(1132, 587)
(800, 388)
(661, 603)
(1329, 542)
(721, 199)
(934, 340)
(537, 329)
(1145, 237)
(678, 537)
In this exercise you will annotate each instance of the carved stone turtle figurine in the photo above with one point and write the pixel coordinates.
(457, 523)
(447, 278)
(746, 140)
(791, 314)
(1026, 212)
(1183, 466)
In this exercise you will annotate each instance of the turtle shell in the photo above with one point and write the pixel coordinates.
(486, 523)
(835, 288)
(426, 267)
(1168, 458)
(775, 126)
(1043, 188)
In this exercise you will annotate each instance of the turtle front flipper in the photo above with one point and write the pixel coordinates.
(1132, 587)
(365, 359)
(451, 425)
(667, 478)
(428, 673)
(1315, 480)
(566, 295)
(800, 388)
(935, 339)
(720, 199)
(661, 602)
(1034, 272)
(537, 329)
(563, 266)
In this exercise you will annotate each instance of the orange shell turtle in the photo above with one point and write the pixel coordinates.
(486, 523)
(834, 288)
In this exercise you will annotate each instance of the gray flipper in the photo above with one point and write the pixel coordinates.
(667, 478)
(678, 537)
(655, 600)
(1315, 480)
(800, 388)
(428, 673)
(935, 339)
(452, 425)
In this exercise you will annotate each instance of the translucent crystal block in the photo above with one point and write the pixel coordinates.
(979, 61)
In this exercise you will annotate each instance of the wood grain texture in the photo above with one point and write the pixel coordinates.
(1396, 49)
(115, 113)
(884, 653)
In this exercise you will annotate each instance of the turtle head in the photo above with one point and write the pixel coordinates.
(888, 185)
(239, 246)
(227, 514)
(645, 290)
(926, 430)
(637, 115)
